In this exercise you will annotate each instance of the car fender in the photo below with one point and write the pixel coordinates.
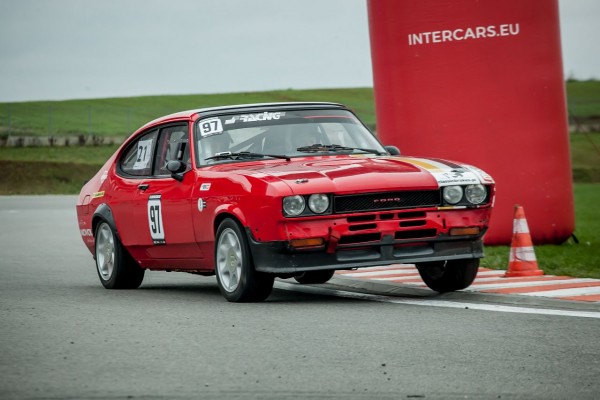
(104, 212)
(228, 210)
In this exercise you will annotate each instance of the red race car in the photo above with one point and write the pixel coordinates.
(259, 191)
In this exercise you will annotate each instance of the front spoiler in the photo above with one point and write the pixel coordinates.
(278, 258)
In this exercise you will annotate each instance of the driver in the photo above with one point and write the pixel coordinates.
(214, 144)
(306, 135)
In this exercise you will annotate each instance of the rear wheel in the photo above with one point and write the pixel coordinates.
(448, 276)
(314, 277)
(237, 279)
(116, 268)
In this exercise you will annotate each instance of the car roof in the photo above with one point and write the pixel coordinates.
(242, 108)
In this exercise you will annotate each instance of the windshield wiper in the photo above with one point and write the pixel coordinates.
(244, 154)
(314, 148)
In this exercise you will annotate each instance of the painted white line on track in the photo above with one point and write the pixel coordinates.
(583, 291)
(495, 273)
(489, 286)
(386, 272)
(434, 303)
(397, 278)
(543, 278)
(363, 273)
(391, 267)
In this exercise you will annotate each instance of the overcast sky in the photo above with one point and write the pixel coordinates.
(65, 49)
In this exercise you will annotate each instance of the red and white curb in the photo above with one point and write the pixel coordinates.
(492, 281)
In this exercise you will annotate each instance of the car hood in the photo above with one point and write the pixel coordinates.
(363, 173)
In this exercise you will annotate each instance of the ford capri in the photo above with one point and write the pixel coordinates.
(255, 192)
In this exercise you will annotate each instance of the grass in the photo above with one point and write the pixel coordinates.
(118, 117)
(91, 155)
(585, 156)
(583, 98)
(40, 177)
(570, 259)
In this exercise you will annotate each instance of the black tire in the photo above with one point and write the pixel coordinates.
(237, 279)
(448, 276)
(116, 268)
(314, 277)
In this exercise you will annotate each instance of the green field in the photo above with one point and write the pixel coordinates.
(118, 117)
(583, 99)
(585, 157)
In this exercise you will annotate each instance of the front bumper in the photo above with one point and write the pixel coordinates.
(277, 257)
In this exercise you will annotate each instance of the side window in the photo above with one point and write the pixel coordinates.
(137, 160)
(173, 144)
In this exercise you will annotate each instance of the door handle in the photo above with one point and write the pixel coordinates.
(143, 186)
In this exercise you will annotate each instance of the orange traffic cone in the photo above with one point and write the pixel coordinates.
(522, 261)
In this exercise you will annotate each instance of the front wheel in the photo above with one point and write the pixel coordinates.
(448, 276)
(314, 277)
(116, 268)
(237, 279)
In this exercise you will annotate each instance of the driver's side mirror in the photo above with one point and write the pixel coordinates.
(393, 150)
(176, 167)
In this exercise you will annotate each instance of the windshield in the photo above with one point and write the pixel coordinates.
(282, 133)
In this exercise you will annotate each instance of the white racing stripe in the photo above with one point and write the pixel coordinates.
(434, 303)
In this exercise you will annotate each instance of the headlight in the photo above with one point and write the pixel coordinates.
(475, 193)
(318, 203)
(293, 205)
(453, 194)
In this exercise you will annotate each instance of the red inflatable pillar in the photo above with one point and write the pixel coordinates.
(481, 82)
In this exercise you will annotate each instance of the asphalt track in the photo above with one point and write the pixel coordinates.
(62, 336)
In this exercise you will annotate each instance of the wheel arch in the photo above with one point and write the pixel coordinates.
(104, 213)
(223, 216)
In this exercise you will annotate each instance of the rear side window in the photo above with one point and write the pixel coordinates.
(138, 158)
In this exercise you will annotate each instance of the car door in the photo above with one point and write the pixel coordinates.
(133, 168)
(162, 213)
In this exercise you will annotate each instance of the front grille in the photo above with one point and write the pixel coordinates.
(386, 201)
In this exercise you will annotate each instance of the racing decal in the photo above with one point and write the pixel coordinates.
(446, 162)
(155, 222)
(97, 195)
(211, 126)
(456, 176)
(201, 205)
(204, 187)
(482, 175)
(445, 173)
(86, 232)
(144, 153)
(265, 116)
(103, 177)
